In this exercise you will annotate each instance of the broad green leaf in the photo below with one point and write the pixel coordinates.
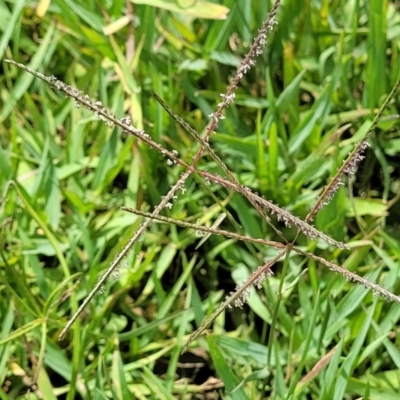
(197, 9)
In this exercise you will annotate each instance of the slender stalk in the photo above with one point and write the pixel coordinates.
(202, 228)
(354, 157)
(238, 297)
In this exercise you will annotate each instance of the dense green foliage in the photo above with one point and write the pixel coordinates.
(308, 333)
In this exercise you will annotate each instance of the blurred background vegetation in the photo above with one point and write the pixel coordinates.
(308, 334)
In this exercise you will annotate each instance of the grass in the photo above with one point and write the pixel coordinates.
(307, 333)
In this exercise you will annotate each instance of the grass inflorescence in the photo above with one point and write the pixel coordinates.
(264, 170)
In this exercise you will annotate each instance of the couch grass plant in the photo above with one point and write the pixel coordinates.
(199, 200)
